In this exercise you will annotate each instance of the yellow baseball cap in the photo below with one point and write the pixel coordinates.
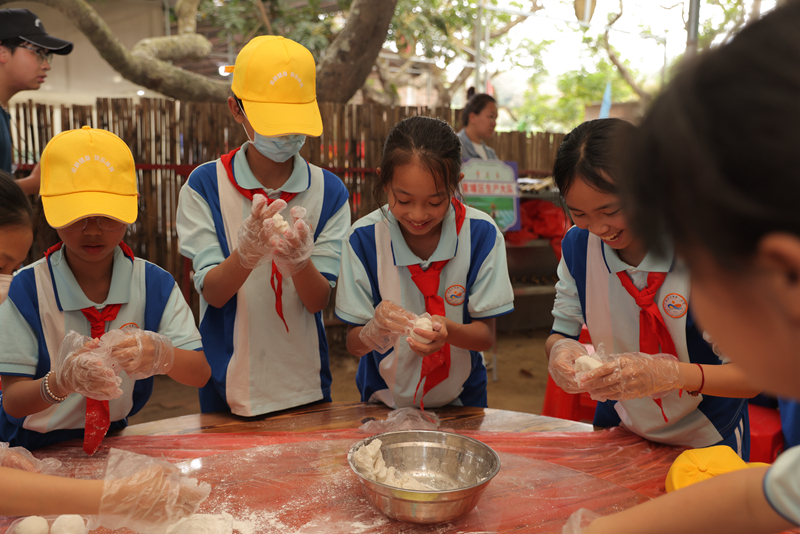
(696, 465)
(86, 173)
(276, 80)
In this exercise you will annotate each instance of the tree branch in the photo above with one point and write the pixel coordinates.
(517, 20)
(623, 70)
(264, 17)
(186, 12)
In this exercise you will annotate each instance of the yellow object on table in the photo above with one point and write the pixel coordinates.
(696, 465)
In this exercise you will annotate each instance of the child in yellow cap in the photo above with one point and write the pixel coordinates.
(264, 230)
(67, 369)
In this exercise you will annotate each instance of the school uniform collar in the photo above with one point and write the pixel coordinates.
(445, 250)
(652, 263)
(71, 297)
(298, 181)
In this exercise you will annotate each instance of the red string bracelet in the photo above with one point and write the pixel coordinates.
(702, 382)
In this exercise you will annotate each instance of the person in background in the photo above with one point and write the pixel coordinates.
(714, 166)
(479, 119)
(263, 282)
(423, 252)
(26, 51)
(16, 230)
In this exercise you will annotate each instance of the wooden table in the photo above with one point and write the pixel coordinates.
(338, 415)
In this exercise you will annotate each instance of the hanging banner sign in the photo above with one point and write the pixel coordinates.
(490, 185)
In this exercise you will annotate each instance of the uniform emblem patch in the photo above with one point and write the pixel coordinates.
(455, 295)
(675, 305)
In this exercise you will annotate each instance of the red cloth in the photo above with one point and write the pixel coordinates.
(540, 219)
(654, 337)
(436, 366)
(276, 279)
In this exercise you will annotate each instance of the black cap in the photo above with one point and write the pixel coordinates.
(27, 26)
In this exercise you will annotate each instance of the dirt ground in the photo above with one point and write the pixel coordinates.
(521, 378)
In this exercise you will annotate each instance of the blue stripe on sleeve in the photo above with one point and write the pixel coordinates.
(23, 294)
(362, 240)
(203, 180)
(483, 236)
(574, 248)
(334, 196)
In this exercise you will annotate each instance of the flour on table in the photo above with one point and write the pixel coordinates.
(370, 463)
(68, 524)
(203, 524)
(32, 525)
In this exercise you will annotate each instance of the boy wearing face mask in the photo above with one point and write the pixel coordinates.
(263, 286)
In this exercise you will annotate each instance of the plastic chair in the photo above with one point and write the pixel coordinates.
(766, 437)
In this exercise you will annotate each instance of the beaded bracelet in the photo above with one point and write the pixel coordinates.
(48, 395)
(702, 382)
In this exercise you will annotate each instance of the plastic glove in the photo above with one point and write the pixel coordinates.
(84, 366)
(140, 353)
(256, 231)
(292, 252)
(386, 326)
(145, 494)
(634, 375)
(578, 521)
(562, 363)
(20, 458)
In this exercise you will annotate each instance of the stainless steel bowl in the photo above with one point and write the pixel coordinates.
(458, 467)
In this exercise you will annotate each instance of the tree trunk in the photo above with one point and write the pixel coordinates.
(349, 58)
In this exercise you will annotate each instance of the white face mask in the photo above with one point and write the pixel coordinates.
(5, 282)
(278, 149)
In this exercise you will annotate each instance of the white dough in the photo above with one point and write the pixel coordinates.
(32, 525)
(587, 363)
(203, 524)
(370, 463)
(281, 225)
(68, 524)
(423, 323)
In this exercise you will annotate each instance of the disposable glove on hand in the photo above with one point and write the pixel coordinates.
(386, 326)
(291, 254)
(20, 458)
(634, 375)
(84, 366)
(140, 353)
(145, 494)
(578, 521)
(256, 231)
(562, 363)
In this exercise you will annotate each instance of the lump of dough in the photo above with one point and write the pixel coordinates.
(586, 363)
(281, 225)
(370, 463)
(68, 524)
(423, 323)
(32, 525)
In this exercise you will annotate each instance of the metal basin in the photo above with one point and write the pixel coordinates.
(458, 467)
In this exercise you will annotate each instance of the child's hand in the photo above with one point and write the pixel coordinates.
(634, 375)
(386, 326)
(83, 366)
(145, 494)
(140, 353)
(291, 254)
(562, 363)
(255, 232)
(578, 521)
(20, 458)
(437, 337)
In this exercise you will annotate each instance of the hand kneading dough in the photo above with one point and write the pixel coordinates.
(423, 323)
(586, 363)
(32, 525)
(280, 224)
(68, 524)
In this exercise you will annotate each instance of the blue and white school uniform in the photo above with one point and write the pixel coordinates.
(782, 485)
(258, 367)
(474, 285)
(44, 303)
(589, 291)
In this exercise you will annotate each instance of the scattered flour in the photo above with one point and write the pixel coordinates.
(370, 463)
(68, 524)
(32, 525)
(204, 524)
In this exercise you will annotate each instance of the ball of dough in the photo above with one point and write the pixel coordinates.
(32, 525)
(281, 225)
(423, 323)
(586, 363)
(68, 524)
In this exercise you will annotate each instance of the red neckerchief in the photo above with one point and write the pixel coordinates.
(276, 279)
(436, 366)
(654, 337)
(98, 413)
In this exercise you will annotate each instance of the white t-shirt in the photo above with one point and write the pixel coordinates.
(480, 150)
(782, 485)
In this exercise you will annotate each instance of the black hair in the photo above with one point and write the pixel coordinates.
(15, 209)
(432, 143)
(12, 43)
(590, 153)
(715, 163)
(475, 105)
